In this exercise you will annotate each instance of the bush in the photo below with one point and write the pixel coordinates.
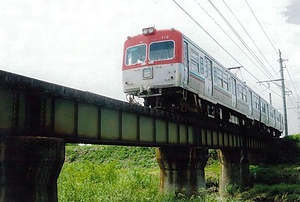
(269, 175)
(284, 151)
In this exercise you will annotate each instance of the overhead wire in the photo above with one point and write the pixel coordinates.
(249, 36)
(268, 74)
(295, 88)
(292, 101)
(206, 31)
(280, 85)
(261, 27)
(227, 34)
(218, 43)
(229, 38)
(275, 50)
(259, 49)
(254, 44)
(286, 90)
(262, 84)
(293, 84)
(246, 46)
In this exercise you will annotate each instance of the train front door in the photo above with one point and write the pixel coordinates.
(208, 77)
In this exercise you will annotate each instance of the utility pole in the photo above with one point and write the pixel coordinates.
(283, 95)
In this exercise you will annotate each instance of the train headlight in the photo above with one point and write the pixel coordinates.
(148, 30)
(151, 30)
(145, 31)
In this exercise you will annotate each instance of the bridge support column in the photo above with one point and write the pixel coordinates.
(29, 168)
(234, 168)
(181, 169)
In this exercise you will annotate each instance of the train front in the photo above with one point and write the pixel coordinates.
(152, 63)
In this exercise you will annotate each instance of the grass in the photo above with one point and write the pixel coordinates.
(127, 157)
(109, 173)
(115, 173)
(276, 192)
(92, 182)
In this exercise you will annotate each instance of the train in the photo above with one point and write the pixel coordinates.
(170, 71)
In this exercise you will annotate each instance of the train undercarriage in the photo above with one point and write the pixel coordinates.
(179, 100)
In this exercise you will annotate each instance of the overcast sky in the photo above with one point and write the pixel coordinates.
(79, 43)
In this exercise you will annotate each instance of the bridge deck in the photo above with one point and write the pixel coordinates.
(31, 107)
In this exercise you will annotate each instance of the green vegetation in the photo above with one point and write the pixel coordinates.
(91, 182)
(109, 173)
(127, 157)
(296, 137)
(115, 173)
(284, 151)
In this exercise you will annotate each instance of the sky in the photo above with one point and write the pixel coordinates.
(79, 44)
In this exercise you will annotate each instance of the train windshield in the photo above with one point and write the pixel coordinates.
(161, 50)
(136, 54)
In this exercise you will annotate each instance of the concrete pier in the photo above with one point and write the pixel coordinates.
(234, 168)
(181, 169)
(29, 168)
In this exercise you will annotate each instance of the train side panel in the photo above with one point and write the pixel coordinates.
(242, 98)
(222, 86)
(271, 117)
(196, 74)
(256, 106)
(264, 111)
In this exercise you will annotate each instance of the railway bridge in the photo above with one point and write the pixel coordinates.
(37, 118)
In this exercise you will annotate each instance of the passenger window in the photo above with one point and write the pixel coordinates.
(185, 54)
(263, 107)
(206, 68)
(194, 60)
(201, 65)
(240, 91)
(244, 94)
(255, 102)
(225, 81)
(271, 113)
(219, 77)
(215, 74)
(209, 69)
